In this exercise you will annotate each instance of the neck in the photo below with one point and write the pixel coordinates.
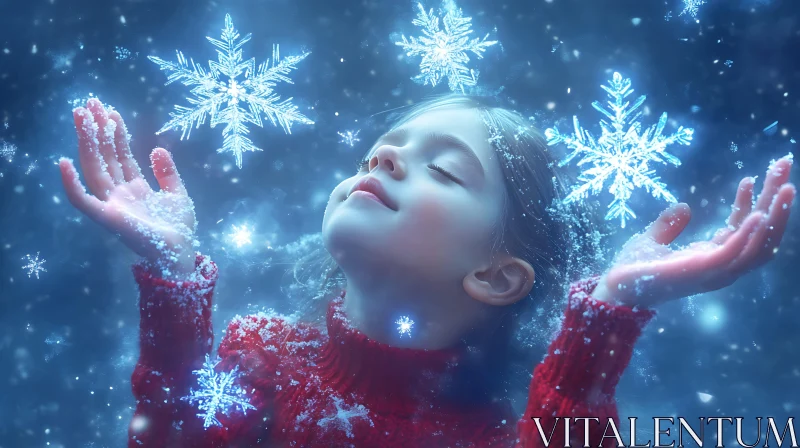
(375, 303)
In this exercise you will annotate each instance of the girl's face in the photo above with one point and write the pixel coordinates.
(442, 191)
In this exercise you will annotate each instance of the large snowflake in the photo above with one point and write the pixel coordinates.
(691, 7)
(224, 99)
(444, 51)
(217, 393)
(623, 154)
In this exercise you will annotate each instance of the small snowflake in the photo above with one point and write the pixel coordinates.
(34, 266)
(444, 51)
(729, 63)
(739, 164)
(691, 7)
(8, 150)
(668, 16)
(223, 100)
(240, 235)
(404, 326)
(622, 154)
(342, 418)
(31, 167)
(217, 393)
(349, 137)
(734, 147)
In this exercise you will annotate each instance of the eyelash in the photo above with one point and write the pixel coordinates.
(361, 162)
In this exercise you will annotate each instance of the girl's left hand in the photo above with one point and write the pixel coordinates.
(648, 272)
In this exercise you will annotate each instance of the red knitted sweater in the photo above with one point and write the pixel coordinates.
(341, 389)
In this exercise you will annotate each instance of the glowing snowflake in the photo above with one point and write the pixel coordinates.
(217, 393)
(34, 266)
(621, 153)
(240, 235)
(444, 52)
(7, 151)
(691, 7)
(342, 418)
(404, 325)
(223, 100)
(349, 137)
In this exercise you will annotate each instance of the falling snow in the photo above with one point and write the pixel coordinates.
(343, 416)
(217, 393)
(240, 235)
(349, 138)
(404, 326)
(223, 100)
(444, 51)
(622, 153)
(7, 151)
(34, 265)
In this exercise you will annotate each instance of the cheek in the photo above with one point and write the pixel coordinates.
(452, 228)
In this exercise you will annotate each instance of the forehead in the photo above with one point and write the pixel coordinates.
(461, 123)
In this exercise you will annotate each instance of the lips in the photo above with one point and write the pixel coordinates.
(372, 185)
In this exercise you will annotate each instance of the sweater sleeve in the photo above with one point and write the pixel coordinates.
(580, 372)
(175, 334)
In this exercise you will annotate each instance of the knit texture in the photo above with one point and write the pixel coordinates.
(342, 389)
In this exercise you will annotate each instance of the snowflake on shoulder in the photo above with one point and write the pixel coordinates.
(217, 393)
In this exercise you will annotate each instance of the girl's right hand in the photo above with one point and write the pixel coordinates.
(159, 226)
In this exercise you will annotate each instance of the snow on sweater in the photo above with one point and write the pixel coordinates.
(341, 389)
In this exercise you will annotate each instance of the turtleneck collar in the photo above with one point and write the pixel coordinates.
(388, 378)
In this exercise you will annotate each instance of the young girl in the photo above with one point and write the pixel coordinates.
(445, 223)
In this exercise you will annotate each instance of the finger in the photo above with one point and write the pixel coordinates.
(741, 207)
(669, 224)
(777, 175)
(97, 179)
(755, 244)
(776, 224)
(733, 248)
(166, 172)
(130, 169)
(105, 135)
(76, 193)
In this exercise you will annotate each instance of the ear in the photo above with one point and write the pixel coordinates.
(507, 281)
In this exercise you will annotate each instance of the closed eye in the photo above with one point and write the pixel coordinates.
(446, 173)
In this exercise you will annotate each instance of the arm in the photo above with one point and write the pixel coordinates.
(175, 335)
(580, 373)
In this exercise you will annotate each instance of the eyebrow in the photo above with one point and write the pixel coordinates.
(399, 135)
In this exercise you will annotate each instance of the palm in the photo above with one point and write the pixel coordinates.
(135, 209)
(647, 271)
(156, 225)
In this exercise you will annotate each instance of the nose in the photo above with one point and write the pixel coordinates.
(387, 158)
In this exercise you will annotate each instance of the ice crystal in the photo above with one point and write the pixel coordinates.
(223, 99)
(240, 235)
(7, 151)
(622, 153)
(217, 393)
(34, 266)
(57, 344)
(444, 50)
(404, 326)
(691, 7)
(739, 164)
(343, 416)
(734, 147)
(349, 137)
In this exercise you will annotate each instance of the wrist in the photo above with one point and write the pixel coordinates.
(174, 266)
